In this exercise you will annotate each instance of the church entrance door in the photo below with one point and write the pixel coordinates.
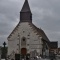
(23, 51)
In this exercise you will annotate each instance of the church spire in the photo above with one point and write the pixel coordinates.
(25, 13)
(25, 7)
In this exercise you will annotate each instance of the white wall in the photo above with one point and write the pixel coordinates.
(33, 42)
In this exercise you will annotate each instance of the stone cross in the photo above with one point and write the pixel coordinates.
(4, 44)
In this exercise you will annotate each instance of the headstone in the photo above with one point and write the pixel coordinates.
(17, 56)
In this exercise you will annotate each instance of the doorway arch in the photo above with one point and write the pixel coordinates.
(23, 51)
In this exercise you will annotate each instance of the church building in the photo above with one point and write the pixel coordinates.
(26, 38)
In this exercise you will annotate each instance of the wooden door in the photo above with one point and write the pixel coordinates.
(23, 51)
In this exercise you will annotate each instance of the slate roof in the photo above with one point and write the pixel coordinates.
(26, 7)
(53, 45)
(40, 32)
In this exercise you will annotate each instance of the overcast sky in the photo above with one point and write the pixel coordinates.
(46, 15)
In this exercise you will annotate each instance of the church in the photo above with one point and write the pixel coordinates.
(26, 39)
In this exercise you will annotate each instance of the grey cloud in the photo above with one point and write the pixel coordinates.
(46, 15)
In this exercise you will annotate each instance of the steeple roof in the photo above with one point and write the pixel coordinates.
(26, 7)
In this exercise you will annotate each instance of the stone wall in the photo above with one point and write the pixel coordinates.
(33, 41)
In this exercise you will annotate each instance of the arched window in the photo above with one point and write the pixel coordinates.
(23, 41)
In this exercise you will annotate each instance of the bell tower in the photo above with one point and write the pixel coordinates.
(25, 13)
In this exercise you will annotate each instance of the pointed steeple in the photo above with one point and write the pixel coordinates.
(26, 7)
(25, 13)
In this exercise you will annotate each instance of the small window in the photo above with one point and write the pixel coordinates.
(28, 44)
(23, 31)
(23, 39)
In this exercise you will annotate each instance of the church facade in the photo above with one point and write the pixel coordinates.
(26, 38)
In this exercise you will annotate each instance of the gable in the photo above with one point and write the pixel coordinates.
(36, 30)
